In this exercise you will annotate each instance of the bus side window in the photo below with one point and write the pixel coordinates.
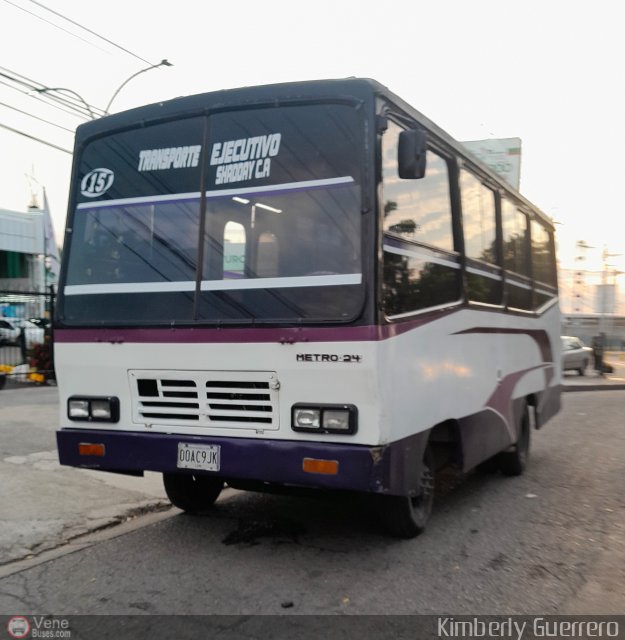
(479, 222)
(518, 293)
(419, 211)
(234, 251)
(543, 265)
(420, 268)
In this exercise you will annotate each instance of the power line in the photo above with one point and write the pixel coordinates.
(57, 26)
(80, 106)
(17, 78)
(27, 135)
(97, 35)
(46, 102)
(35, 85)
(32, 115)
(73, 100)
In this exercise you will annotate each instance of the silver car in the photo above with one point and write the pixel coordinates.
(575, 355)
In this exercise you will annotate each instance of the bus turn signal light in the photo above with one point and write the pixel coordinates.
(325, 467)
(88, 449)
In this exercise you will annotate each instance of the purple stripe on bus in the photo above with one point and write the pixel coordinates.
(502, 402)
(196, 335)
(232, 335)
(501, 399)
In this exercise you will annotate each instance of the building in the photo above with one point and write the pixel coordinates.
(21, 250)
(23, 263)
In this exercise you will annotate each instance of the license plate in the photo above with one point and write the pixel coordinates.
(204, 457)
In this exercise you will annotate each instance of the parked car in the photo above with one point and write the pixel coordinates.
(40, 322)
(34, 334)
(575, 355)
(10, 329)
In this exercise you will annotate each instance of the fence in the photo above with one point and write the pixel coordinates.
(26, 337)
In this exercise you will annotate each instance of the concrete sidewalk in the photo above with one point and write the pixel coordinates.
(592, 381)
(45, 505)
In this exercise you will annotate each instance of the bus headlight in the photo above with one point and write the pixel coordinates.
(93, 409)
(336, 420)
(306, 418)
(78, 409)
(325, 418)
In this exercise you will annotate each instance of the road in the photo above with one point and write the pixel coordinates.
(551, 541)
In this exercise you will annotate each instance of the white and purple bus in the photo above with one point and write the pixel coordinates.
(300, 285)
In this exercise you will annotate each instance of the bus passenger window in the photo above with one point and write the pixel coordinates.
(515, 257)
(543, 265)
(234, 251)
(479, 224)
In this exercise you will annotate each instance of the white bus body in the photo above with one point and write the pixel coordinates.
(385, 357)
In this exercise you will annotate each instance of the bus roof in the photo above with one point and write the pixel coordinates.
(359, 88)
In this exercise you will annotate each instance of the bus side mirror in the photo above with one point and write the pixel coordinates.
(411, 154)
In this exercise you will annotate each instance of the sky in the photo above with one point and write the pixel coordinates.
(547, 71)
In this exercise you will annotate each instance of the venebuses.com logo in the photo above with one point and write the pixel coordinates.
(18, 627)
(38, 627)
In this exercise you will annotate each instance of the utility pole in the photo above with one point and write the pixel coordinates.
(603, 321)
(579, 281)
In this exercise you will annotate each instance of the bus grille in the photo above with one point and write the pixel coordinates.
(225, 399)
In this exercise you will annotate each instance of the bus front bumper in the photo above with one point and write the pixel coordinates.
(380, 469)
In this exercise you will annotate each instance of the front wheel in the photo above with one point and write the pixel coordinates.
(191, 493)
(407, 516)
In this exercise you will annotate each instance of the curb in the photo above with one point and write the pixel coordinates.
(86, 539)
(594, 387)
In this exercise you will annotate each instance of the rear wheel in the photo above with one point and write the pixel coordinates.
(190, 493)
(407, 516)
(514, 462)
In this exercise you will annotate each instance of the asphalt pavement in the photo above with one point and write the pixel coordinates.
(45, 506)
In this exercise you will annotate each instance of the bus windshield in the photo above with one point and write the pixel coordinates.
(247, 216)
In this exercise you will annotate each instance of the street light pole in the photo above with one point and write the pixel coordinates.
(162, 63)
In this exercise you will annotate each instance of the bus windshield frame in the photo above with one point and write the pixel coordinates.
(244, 216)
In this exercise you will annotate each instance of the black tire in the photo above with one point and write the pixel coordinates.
(514, 462)
(582, 369)
(489, 466)
(190, 493)
(407, 516)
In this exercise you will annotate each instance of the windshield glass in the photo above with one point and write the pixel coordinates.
(275, 235)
